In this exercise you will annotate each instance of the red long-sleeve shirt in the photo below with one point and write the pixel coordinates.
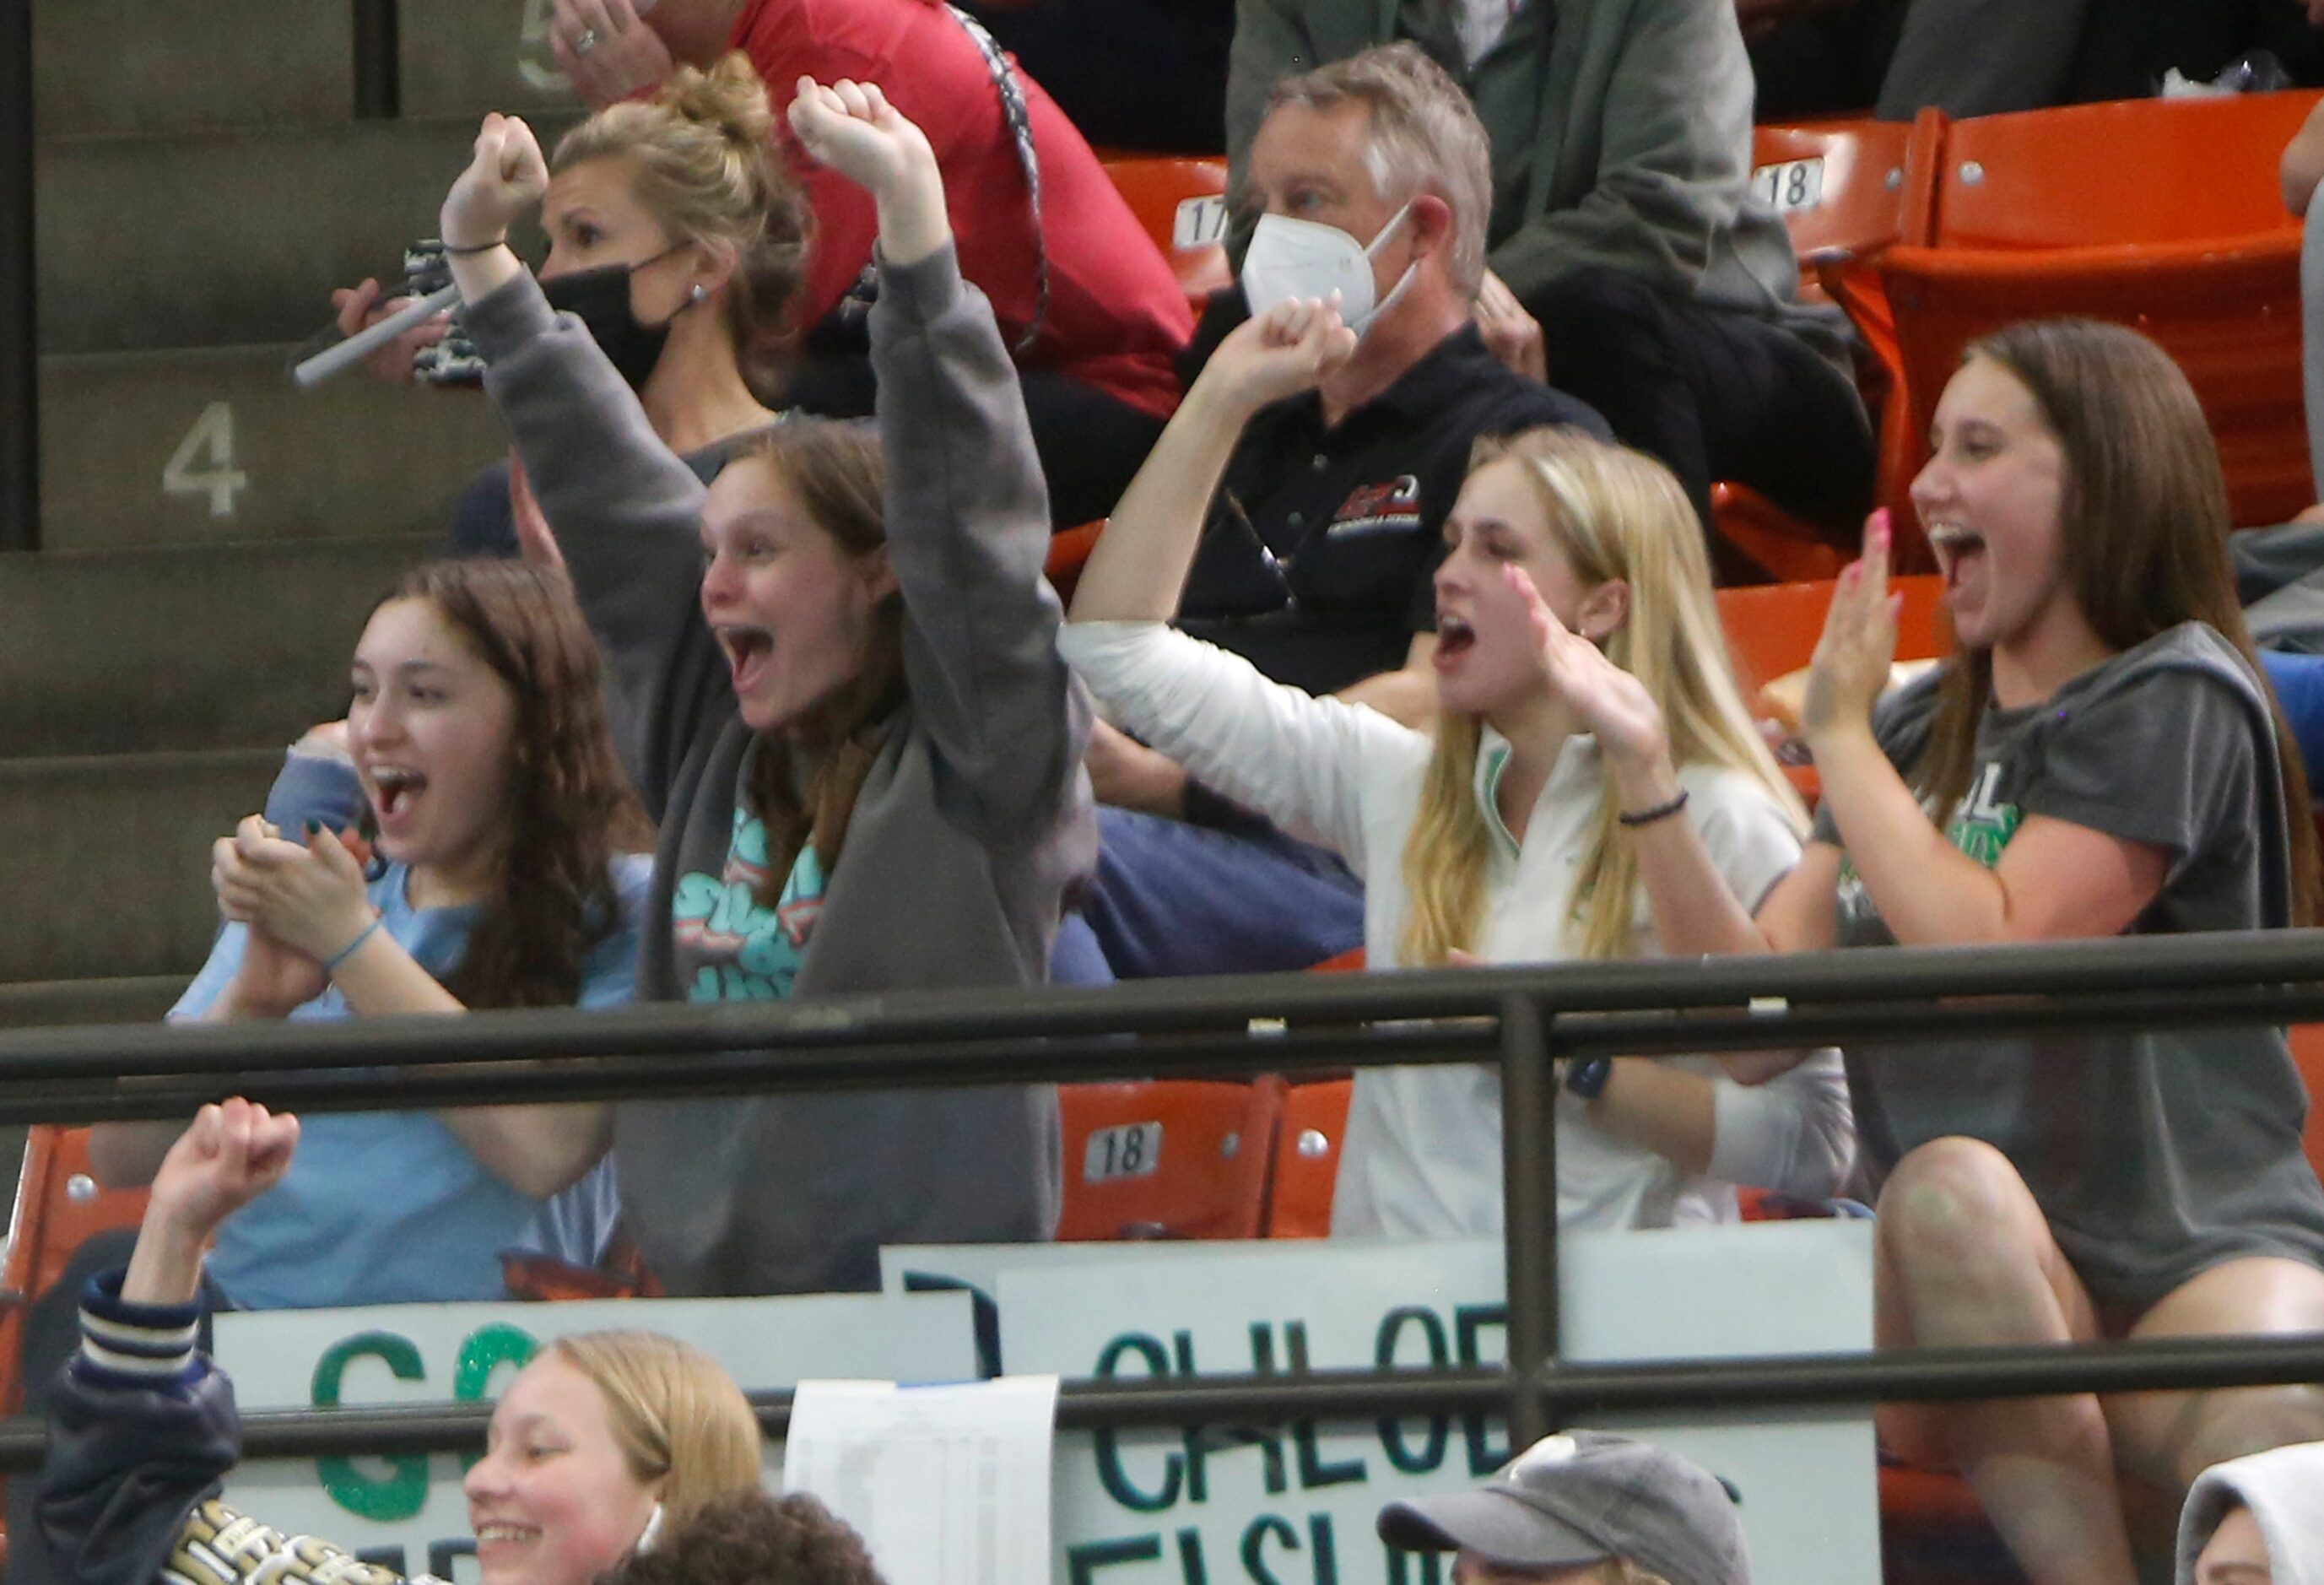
(1116, 317)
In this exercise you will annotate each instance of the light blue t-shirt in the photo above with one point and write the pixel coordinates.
(389, 1207)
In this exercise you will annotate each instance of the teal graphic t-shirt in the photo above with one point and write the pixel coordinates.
(742, 951)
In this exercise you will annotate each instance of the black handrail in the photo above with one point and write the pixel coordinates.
(1918, 1376)
(1517, 1017)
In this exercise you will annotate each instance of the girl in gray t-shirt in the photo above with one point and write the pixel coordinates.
(2099, 756)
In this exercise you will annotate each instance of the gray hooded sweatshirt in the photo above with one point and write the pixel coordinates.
(973, 823)
(2284, 1490)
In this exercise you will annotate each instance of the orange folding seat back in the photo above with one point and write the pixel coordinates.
(2137, 171)
(1307, 1144)
(1182, 203)
(1167, 1158)
(1772, 630)
(1847, 191)
(58, 1207)
(2159, 213)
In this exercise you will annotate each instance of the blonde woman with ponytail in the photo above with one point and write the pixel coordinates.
(679, 238)
(1497, 836)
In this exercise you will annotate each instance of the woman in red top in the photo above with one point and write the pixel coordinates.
(1082, 295)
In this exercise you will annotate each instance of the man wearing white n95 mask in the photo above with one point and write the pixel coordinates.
(1662, 291)
(1373, 180)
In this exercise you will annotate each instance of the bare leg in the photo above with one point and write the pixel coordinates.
(2169, 1438)
(1965, 1258)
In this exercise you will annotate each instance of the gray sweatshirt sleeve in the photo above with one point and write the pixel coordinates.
(627, 513)
(968, 530)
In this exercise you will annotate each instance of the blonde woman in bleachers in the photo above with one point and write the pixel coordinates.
(2100, 756)
(606, 1445)
(680, 236)
(1497, 836)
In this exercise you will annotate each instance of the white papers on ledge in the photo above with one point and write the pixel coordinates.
(947, 1485)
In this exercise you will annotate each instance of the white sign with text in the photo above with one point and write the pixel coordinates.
(1293, 1505)
(408, 1511)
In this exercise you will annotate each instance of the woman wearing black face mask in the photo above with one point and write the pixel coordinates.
(680, 239)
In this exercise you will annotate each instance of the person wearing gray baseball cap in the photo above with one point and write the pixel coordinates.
(1583, 1508)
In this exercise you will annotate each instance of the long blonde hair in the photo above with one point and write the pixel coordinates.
(678, 1416)
(1616, 514)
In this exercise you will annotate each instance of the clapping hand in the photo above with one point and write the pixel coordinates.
(1612, 703)
(1292, 348)
(309, 897)
(1858, 646)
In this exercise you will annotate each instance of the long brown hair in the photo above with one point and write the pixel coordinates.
(569, 805)
(1616, 513)
(839, 477)
(2143, 534)
(706, 167)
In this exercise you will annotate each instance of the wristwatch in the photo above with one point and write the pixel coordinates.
(1586, 1076)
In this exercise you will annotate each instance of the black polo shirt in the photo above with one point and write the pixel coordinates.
(1317, 556)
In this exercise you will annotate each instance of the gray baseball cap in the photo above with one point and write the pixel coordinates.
(1584, 1497)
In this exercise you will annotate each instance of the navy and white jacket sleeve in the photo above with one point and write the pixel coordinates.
(142, 1432)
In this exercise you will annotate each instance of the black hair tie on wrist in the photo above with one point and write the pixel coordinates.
(482, 247)
(1648, 817)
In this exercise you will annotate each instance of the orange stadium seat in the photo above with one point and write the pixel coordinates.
(1772, 630)
(1181, 201)
(2160, 214)
(59, 1208)
(1847, 191)
(1308, 1158)
(1068, 548)
(1772, 633)
(1166, 1160)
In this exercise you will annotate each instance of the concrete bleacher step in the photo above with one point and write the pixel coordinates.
(140, 998)
(205, 445)
(460, 59)
(107, 866)
(137, 651)
(231, 238)
(149, 65)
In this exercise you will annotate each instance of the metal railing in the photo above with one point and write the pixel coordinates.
(1521, 1018)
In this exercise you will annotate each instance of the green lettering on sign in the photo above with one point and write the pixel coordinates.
(1083, 1561)
(488, 1348)
(402, 1493)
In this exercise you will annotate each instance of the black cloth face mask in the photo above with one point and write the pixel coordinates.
(600, 300)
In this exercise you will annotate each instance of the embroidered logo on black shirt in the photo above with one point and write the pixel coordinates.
(1393, 505)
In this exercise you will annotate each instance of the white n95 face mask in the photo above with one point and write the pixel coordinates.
(1291, 258)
